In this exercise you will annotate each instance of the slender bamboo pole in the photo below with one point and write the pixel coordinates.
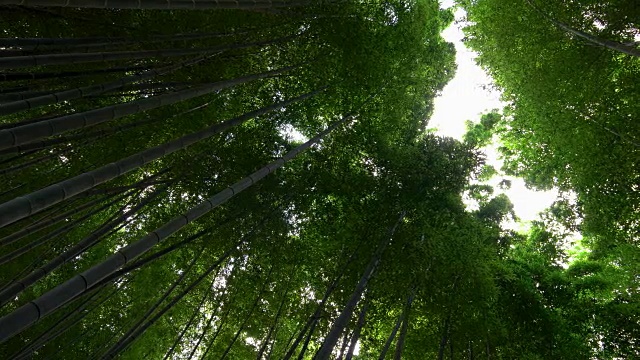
(90, 42)
(189, 323)
(341, 322)
(128, 336)
(609, 44)
(25, 231)
(33, 132)
(160, 4)
(16, 62)
(34, 146)
(29, 204)
(312, 320)
(16, 76)
(405, 326)
(51, 236)
(66, 95)
(28, 314)
(248, 316)
(84, 244)
(356, 332)
(387, 344)
(273, 326)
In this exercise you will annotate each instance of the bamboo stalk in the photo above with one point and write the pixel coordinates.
(24, 206)
(28, 314)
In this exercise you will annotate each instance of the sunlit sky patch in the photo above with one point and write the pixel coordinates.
(466, 97)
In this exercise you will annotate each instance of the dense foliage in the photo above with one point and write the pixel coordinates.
(160, 198)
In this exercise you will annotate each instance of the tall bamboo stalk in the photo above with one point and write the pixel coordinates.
(28, 230)
(160, 4)
(16, 62)
(51, 236)
(16, 76)
(24, 206)
(109, 226)
(28, 314)
(66, 95)
(33, 132)
(341, 322)
(128, 336)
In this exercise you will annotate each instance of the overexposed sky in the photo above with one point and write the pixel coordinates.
(466, 97)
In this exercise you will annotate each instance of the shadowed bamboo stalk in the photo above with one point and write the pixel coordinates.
(66, 95)
(62, 230)
(209, 323)
(86, 310)
(344, 343)
(25, 231)
(7, 98)
(59, 327)
(356, 332)
(248, 316)
(16, 76)
(48, 116)
(130, 335)
(179, 297)
(108, 227)
(160, 253)
(195, 313)
(341, 322)
(35, 146)
(405, 325)
(29, 133)
(29, 204)
(311, 322)
(392, 336)
(14, 62)
(28, 314)
(273, 326)
(160, 4)
(222, 321)
(93, 42)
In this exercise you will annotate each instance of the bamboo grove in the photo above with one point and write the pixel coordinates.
(212, 179)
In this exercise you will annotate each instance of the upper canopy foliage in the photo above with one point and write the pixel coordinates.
(368, 224)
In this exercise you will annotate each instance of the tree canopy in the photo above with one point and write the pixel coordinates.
(253, 180)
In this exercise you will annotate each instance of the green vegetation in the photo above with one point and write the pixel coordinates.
(153, 203)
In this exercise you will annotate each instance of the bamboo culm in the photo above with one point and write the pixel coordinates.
(32, 132)
(311, 321)
(177, 298)
(84, 244)
(609, 44)
(159, 4)
(16, 62)
(95, 134)
(28, 314)
(51, 236)
(191, 319)
(25, 231)
(341, 322)
(387, 344)
(24, 206)
(16, 76)
(405, 326)
(128, 336)
(264, 344)
(356, 331)
(66, 95)
(248, 316)
(88, 43)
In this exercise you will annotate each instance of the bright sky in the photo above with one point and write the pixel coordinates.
(466, 97)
